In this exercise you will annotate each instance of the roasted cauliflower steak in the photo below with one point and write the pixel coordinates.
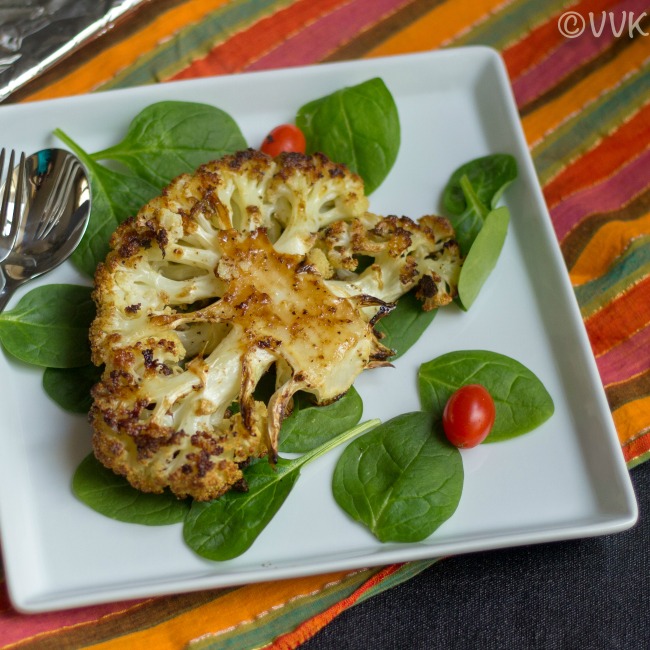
(250, 264)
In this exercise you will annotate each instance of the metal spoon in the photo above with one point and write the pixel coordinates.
(57, 204)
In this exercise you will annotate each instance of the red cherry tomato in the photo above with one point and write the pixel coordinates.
(468, 416)
(286, 137)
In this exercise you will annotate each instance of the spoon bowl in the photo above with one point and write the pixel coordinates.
(57, 201)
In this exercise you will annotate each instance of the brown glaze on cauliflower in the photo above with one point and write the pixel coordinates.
(245, 266)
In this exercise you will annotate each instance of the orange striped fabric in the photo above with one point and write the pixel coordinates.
(245, 47)
(542, 122)
(607, 245)
(545, 37)
(109, 62)
(307, 629)
(586, 115)
(604, 159)
(621, 318)
(439, 26)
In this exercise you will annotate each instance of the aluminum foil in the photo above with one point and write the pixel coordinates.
(34, 35)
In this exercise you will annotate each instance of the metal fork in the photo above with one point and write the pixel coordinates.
(10, 223)
(56, 201)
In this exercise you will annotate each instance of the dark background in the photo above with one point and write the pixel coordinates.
(579, 595)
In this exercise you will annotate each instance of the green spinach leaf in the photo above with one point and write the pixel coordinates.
(521, 400)
(469, 223)
(483, 255)
(310, 425)
(70, 387)
(358, 126)
(488, 175)
(116, 196)
(470, 198)
(171, 137)
(112, 496)
(405, 324)
(226, 527)
(49, 326)
(402, 480)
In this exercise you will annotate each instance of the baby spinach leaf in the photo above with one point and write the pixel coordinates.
(70, 387)
(226, 527)
(169, 138)
(116, 196)
(112, 496)
(49, 326)
(469, 223)
(470, 198)
(483, 255)
(488, 175)
(405, 324)
(358, 125)
(402, 480)
(521, 400)
(310, 425)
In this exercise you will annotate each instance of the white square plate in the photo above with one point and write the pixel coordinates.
(566, 479)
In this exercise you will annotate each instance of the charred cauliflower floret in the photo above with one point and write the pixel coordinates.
(406, 255)
(245, 266)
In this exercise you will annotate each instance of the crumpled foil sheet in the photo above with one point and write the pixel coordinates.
(34, 35)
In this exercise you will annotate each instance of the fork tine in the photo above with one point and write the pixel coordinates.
(54, 207)
(2, 212)
(18, 200)
(7, 192)
(9, 227)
